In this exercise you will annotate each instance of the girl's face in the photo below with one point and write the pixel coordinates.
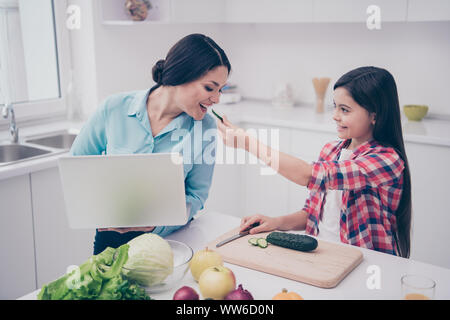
(353, 121)
(195, 97)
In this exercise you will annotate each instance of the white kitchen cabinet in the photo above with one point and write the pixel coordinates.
(268, 11)
(253, 186)
(428, 10)
(226, 189)
(113, 12)
(306, 145)
(17, 276)
(57, 246)
(264, 194)
(356, 10)
(265, 191)
(198, 11)
(429, 194)
(242, 11)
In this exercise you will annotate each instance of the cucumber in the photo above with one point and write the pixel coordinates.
(259, 242)
(220, 118)
(253, 241)
(262, 243)
(298, 242)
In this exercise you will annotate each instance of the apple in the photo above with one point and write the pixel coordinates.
(216, 282)
(203, 259)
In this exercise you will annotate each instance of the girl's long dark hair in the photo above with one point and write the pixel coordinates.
(375, 90)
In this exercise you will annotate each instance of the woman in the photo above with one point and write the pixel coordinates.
(360, 189)
(164, 118)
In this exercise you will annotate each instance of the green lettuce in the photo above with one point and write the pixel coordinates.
(99, 278)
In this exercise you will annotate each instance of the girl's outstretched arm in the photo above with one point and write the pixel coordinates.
(290, 167)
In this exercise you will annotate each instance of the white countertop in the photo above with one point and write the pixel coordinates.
(427, 131)
(209, 226)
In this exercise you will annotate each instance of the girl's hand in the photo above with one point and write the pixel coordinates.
(232, 135)
(265, 223)
(123, 230)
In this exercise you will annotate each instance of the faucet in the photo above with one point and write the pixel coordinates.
(8, 110)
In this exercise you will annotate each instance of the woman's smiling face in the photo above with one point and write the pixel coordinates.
(195, 97)
(353, 121)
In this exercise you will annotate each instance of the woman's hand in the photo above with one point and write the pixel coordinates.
(232, 135)
(123, 230)
(265, 223)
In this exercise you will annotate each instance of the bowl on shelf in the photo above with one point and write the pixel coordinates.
(182, 255)
(415, 112)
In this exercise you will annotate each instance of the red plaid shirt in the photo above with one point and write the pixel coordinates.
(371, 181)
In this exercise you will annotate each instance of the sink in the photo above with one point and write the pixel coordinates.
(60, 140)
(37, 146)
(16, 152)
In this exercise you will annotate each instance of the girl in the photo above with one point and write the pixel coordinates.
(360, 190)
(162, 119)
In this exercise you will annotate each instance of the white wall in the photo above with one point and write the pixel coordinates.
(417, 54)
(125, 55)
(82, 88)
(263, 55)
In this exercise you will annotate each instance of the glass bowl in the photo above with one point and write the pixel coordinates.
(182, 255)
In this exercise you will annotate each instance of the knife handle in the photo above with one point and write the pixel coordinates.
(250, 227)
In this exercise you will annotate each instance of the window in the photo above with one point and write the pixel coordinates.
(30, 57)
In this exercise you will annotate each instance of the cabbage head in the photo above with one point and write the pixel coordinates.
(150, 260)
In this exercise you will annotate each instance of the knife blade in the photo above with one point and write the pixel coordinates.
(239, 235)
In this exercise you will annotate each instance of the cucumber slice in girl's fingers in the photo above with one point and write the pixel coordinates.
(220, 118)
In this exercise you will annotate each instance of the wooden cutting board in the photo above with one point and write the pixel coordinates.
(324, 267)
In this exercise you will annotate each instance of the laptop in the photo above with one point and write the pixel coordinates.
(132, 190)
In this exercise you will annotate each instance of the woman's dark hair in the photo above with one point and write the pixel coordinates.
(375, 90)
(188, 60)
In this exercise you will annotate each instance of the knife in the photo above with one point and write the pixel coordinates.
(239, 235)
